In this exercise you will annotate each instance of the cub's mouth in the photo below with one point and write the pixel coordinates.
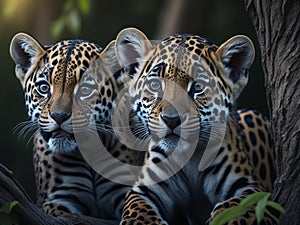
(170, 141)
(173, 138)
(58, 133)
(60, 140)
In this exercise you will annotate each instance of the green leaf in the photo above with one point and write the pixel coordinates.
(6, 208)
(57, 27)
(276, 206)
(272, 216)
(260, 208)
(74, 22)
(252, 199)
(84, 6)
(70, 17)
(261, 201)
(227, 215)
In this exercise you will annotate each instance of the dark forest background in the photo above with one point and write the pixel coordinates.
(214, 19)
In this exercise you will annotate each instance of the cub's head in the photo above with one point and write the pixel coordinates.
(182, 84)
(55, 79)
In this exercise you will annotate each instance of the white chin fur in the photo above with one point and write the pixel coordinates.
(62, 145)
(169, 146)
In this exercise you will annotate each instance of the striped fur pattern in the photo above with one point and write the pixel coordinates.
(203, 155)
(67, 92)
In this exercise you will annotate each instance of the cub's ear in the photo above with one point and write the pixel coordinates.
(25, 51)
(236, 56)
(109, 61)
(132, 47)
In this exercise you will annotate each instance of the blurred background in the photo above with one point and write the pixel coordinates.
(49, 21)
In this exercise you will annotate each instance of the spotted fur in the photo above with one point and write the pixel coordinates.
(67, 92)
(182, 94)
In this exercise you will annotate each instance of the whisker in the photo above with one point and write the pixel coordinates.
(24, 128)
(20, 126)
(30, 139)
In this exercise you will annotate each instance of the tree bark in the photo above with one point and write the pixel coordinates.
(27, 213)
(277, 26)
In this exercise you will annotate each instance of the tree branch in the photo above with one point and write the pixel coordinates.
(28, 213)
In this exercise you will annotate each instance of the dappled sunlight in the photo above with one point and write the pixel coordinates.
(16, 11)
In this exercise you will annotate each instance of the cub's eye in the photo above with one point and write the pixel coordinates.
(154, 85)
(85, 90)
(43, 88)
(198, 87)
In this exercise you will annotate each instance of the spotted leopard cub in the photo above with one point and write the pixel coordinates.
(67, 92)
(182, 99)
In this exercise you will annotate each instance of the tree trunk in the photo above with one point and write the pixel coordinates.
(277, 26)
(27, 213)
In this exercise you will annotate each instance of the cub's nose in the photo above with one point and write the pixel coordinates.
(59, 116)
(171, 121)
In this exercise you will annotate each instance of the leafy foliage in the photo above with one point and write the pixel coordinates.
(5, 214)
(260, 199)
(70, 17)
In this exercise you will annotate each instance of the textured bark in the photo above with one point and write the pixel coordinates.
(277, 25)
(27, 213)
